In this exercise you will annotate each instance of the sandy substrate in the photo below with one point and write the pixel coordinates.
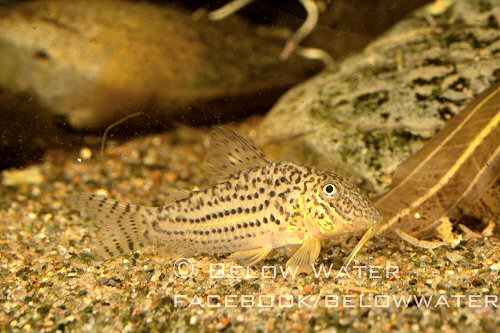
(51, 281)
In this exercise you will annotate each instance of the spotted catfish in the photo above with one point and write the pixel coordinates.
(255, 206)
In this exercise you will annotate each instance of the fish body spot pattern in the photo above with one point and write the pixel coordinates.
(255, 206)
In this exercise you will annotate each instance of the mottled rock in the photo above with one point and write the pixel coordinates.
(96, 61)
(378, 107)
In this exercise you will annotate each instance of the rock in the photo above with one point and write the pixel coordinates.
(97, 61)
(31, 175)
(376, 108)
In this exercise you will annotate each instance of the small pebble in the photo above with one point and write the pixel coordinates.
(30, 175)
(193, 320)
(454, 256)
(85, 154)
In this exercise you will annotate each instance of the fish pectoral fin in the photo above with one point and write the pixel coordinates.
(366, 237)
(250, 257)
(305, 257)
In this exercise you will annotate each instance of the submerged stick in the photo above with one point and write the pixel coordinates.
(113, 125)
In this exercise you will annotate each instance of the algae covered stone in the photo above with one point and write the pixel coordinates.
(376, 108)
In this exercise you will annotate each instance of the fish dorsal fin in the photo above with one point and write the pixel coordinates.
(230, 153)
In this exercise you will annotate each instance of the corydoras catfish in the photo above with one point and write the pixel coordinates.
(255, 206)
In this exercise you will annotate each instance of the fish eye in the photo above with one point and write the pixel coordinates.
(330, 190)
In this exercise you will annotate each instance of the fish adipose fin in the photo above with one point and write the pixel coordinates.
(250, 257)
(171, 195)
(230, 153)
(305, 256)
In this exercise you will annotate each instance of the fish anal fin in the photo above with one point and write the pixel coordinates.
(230, 153)
(305, 256)
(250, 257)
(174, 253)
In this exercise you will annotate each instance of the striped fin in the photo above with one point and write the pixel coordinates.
(250, 257)
(230, 153)
(302, 261)
(122, 226)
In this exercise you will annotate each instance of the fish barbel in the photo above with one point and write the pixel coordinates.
(255, 206)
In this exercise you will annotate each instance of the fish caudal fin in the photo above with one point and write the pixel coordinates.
(122, 226)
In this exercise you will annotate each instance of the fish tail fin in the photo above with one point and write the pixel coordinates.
(123, 227)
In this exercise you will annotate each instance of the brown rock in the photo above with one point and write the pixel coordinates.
(96, 61)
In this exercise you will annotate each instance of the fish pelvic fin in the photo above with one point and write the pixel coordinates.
(306, 255)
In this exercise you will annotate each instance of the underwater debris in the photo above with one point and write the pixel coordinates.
(294, 41)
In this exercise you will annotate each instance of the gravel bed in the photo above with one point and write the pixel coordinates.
(51, 281)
